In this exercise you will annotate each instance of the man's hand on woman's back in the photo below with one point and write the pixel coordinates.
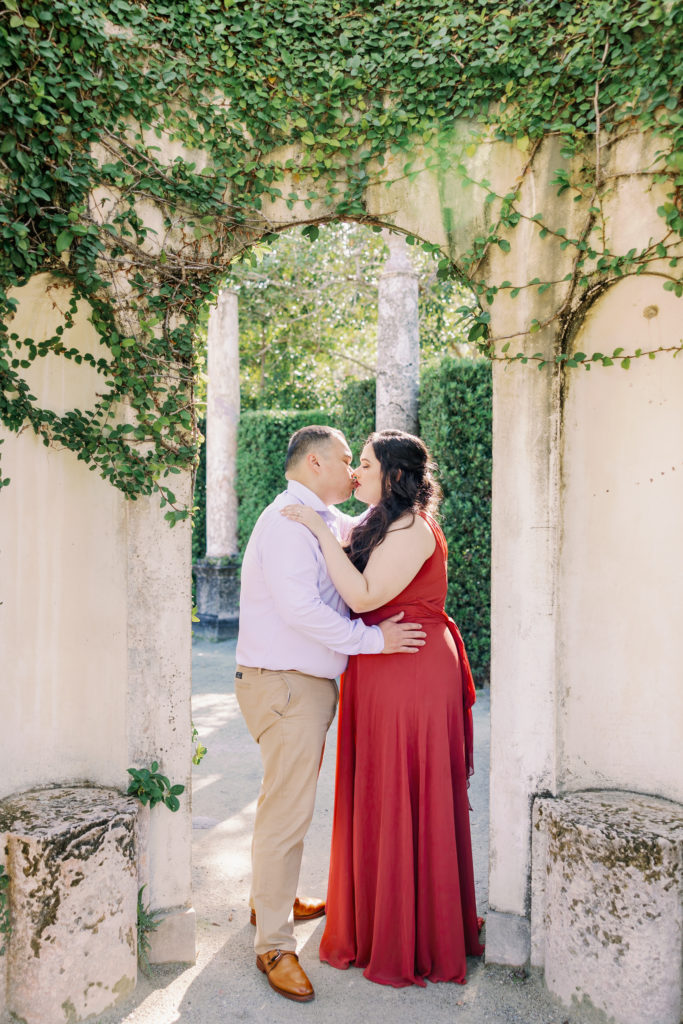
(401, 637)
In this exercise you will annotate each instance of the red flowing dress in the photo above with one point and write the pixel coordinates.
(400, 900)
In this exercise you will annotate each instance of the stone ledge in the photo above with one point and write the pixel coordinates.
(507, 939)
(607, 916)
(174, 941)
(216, 628)
(71, 855)
(218, 598)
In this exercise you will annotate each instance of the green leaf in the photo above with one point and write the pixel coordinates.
(64, 240)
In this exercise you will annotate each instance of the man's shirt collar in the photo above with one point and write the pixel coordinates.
(308, 497)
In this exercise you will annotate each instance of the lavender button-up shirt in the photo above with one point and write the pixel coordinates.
(291, 616)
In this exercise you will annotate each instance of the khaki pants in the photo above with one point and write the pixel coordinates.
(288, 714)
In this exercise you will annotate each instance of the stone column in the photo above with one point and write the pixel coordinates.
(216, 574)
(398, 340)
(158, 712)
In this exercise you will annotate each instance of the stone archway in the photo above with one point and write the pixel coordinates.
(554, 449)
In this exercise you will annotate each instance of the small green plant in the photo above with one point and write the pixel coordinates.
(150, 787)
(5, 922)
(147, 922)
(199, 750)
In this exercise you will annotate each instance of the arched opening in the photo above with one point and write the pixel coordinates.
(328, 284)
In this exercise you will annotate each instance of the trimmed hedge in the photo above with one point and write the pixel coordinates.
(455, 423)
(261, 451)
(262, 447)
(356, 415)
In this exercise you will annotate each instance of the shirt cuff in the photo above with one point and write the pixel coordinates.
(373, 641)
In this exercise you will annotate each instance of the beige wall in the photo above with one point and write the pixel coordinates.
(620, 658)
(95, 621)
(62, 583)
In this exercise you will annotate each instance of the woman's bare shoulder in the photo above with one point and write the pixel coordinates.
(410, 529)
(409, 521)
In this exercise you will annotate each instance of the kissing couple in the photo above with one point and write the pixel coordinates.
(400, 900)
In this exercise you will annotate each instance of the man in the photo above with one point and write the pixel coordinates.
(294, 638)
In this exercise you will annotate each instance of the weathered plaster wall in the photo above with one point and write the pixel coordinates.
(95, 622)
(620, 654)
(63, 618)
(526, 526)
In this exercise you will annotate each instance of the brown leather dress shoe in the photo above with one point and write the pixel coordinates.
(304, 910)
(285, 975)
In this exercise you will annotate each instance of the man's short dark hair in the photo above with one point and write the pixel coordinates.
(301, 442)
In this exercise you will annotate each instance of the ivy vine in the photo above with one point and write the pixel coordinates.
(5, 919)
(149, 786)
(91, 91)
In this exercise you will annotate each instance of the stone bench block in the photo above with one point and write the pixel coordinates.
(218, 598)
(606, 910)
(71, 854)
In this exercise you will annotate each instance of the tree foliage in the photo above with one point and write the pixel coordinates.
(261, 451)
(91, 91)
(308, 314)
(456, 424)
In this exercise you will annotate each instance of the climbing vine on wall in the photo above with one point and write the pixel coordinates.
(5, 919)
(94, 97)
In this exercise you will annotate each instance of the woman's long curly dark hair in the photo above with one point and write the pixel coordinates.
(408, 485)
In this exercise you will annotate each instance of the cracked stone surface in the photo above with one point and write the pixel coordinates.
(607, 917)
(71, 854)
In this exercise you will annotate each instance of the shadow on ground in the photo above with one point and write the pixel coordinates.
(224, 985)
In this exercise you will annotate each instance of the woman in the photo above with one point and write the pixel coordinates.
(400, 899)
